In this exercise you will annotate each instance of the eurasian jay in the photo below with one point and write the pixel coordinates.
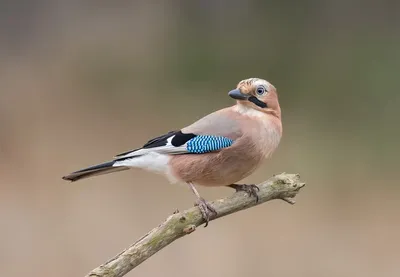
(219, 149)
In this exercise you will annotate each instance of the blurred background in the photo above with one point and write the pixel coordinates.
(81, 81)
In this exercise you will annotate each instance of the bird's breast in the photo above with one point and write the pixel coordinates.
(269, 136)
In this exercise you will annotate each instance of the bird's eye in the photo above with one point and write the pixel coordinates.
(260, 90)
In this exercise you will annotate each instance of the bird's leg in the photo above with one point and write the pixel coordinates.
(206, 209)
(250, 189)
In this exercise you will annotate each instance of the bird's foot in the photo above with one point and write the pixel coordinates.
(250, 189)
(207, 211)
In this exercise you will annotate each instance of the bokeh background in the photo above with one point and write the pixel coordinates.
(81, 81)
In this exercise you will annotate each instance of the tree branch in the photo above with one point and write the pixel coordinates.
(282, 186)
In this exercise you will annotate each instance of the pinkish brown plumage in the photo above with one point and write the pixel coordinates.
(219, 149)
(255, 139)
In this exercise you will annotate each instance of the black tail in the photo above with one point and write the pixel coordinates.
(95, 170)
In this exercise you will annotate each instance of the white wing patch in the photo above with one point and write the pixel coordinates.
(166, 149)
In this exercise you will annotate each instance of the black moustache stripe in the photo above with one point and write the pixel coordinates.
(259, 103)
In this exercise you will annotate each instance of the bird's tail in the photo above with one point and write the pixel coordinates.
(95, 170)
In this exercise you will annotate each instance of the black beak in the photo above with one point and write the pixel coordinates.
(238, 95)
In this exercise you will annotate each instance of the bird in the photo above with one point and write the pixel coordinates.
(219, 149)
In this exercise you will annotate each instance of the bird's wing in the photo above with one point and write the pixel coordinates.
(209, 134)
(175, 143)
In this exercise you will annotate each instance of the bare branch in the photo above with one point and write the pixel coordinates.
(282, 186)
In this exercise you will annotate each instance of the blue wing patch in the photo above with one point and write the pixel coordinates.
(204, 144)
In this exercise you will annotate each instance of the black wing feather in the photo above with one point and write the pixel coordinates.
(178, 140)
(159, 141)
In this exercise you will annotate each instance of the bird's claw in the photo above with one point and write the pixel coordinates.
(207, 211)
(251, 190)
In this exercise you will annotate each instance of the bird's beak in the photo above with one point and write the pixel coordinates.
(238, 95)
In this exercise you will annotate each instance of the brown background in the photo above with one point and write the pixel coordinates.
(81, 81)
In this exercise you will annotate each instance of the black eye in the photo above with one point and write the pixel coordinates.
(260, 90)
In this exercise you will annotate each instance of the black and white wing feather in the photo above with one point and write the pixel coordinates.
(176, 142)
(171, 143)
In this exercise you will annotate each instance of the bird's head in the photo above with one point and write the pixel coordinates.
(258, 95)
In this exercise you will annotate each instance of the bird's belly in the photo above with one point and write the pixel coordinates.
(214, 169)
